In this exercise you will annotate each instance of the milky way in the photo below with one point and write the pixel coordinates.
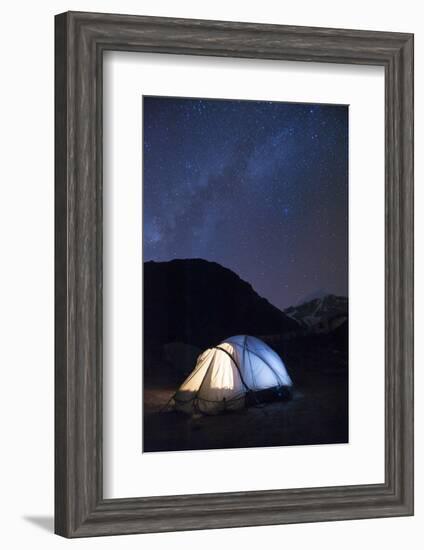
(260, 187)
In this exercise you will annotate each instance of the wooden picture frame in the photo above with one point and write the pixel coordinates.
(81, 39)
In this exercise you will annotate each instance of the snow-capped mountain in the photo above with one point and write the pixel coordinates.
(320, 314)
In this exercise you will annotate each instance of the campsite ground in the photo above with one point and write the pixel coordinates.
(317, 414)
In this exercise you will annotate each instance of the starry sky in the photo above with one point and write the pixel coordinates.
(259, 187)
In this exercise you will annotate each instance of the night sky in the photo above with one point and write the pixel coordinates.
(259, 187)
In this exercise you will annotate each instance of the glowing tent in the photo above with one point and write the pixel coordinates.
(226, 376)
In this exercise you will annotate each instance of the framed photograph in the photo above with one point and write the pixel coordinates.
(234, 274)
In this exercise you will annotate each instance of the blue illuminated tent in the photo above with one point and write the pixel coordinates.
(231, 375)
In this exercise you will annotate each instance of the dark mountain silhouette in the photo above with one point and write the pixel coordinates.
(340, 336)
(201, 303)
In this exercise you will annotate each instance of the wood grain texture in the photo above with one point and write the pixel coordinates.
(80, 509)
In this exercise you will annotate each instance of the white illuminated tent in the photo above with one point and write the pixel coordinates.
(227, 375)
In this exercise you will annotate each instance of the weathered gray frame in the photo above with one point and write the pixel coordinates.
(81, 39)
